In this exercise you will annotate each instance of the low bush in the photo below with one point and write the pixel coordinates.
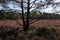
(49, 34)
(11, 33)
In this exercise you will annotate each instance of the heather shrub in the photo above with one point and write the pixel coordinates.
(49, 34)
(8, 33)
(42, 33)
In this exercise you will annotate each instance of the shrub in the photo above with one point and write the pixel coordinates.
(11, 33)
(6, 34)
(45, 32)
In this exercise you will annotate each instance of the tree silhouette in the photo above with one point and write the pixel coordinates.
(38, 5)
(29, 8)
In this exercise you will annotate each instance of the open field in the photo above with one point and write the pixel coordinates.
(39, 33)
(47, 23)
(37, 23)
(10, 22)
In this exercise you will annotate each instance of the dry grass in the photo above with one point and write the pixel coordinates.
(38, 23)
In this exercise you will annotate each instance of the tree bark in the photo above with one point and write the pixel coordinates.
(23, 14)
(27, 17)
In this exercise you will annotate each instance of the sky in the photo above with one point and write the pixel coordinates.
(50, 9)
(12, 6)
(16, 7)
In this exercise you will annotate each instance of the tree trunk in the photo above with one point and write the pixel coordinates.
(23, 14)
(25, 22)
(27, 17)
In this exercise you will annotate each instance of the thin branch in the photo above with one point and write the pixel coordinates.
(33, 21)
(44, 5)
(33, 1)
(23, 2)
(18, 23)
(32, 4)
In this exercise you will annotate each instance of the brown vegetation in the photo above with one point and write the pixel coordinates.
(37, 23)
(42, 33)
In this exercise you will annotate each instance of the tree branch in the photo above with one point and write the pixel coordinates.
(33, 21)
(18, 23)
(33, 1)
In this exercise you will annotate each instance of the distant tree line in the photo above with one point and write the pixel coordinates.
(13, 15)
(44, 16)
(9, 15)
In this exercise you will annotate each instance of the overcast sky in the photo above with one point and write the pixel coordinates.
(16, 6)
(50, 9)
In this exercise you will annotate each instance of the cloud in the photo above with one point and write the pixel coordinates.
(16, 6)
(1, 7)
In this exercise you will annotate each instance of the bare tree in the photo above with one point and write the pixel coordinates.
(33, 6)
(26, 22)
(38, 5)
